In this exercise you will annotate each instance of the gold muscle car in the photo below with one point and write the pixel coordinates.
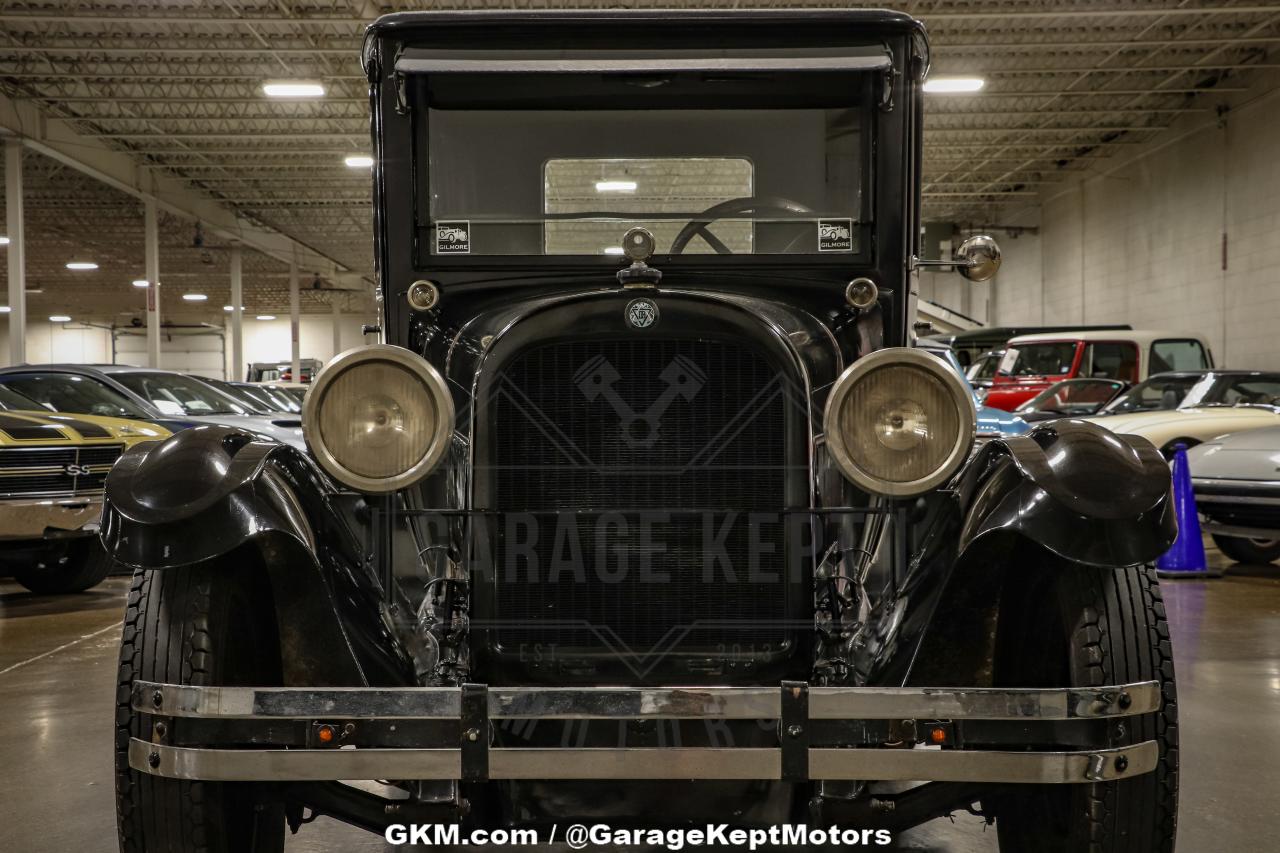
(52, 469)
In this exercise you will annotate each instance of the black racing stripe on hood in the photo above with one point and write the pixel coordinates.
(21, 429)
(85, 428)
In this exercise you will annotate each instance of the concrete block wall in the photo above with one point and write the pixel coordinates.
(1142, 241)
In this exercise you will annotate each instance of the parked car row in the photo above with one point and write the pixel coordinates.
(63, 426)
(1164, 387)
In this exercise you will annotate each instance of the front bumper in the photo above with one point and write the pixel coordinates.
(49, 518)
(279, 734)
(1240, 508)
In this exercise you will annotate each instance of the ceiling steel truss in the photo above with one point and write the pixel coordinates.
(175, 84)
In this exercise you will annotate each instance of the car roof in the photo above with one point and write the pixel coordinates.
(1141, 336)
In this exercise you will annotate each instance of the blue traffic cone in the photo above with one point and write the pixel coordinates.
(1185, 559)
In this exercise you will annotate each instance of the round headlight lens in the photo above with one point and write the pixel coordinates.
(378, 418)
(899, 422)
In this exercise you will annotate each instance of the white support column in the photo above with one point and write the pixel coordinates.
(295, 355)
(337, 328)
(16, 250)
(151, 227)
(238, 370)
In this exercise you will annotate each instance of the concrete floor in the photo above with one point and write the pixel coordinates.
(57, 677)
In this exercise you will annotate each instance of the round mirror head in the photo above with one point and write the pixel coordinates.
(978, 257)
(638, 244)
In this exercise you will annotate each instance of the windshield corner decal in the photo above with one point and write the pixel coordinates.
(453, 238)
(835, 235)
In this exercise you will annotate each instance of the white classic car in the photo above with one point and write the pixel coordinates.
(1191, 407)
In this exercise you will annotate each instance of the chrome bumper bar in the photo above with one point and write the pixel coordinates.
(42, 518)
(466, 752)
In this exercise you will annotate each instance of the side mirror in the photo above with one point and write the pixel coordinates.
(978, 258)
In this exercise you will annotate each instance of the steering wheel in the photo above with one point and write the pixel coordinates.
(746, 204)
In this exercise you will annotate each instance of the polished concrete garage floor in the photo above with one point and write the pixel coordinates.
(57, 676)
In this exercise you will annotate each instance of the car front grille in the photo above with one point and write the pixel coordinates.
(593, 442)
(55, 471)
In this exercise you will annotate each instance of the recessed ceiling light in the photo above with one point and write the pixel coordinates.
(613, 250)
(615, 186)
(194, 297)
(33, 290)
(228, 308)
(4, 241)
(141, 282)
(954, 85)
(266, 317)
(59, 318)
(359, 161)
(4, 309)
(81, 265)
(293, 89)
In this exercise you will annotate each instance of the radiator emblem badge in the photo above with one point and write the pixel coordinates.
(642, 313)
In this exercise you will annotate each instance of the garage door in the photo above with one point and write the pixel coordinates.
(191, 350)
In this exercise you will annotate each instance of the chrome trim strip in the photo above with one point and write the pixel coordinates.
(1250, 500)
(600, 703)
(728, 703)
(1242, 485)
(947, 703)
(961, 765)
(921, 764)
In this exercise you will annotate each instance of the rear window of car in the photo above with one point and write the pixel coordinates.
(1178, 355)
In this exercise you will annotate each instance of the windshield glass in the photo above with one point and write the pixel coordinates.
(11, 400)
(77, 395)
(1074, 397)
(1048, 359)
(245, 397)
(1249, 390)
(1160, 392)
(984, 367)
(265, 398)
(565, 164)
(169, 390)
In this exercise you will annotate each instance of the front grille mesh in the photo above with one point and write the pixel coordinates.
(573, 440)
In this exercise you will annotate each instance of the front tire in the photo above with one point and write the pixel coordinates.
(73, 567)
(1248, 550)
(201, 625)
(1076, 626)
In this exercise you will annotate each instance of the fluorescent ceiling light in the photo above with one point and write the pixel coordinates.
(613, 250)
(4, 241)
(359, 161)
(141, 282)
(227, 308)
(615, 186)
(293, 89)
(59, 318)
(194, 297)
(954, 85)
(4, 309)
(266, 317)
(33, 290)
(82, 265)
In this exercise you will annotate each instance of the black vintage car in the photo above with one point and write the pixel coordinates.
(646, 513)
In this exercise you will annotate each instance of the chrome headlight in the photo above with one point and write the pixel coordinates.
(899, 422)
(378, 418)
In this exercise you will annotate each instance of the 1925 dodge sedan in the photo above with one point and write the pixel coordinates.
(647, 513)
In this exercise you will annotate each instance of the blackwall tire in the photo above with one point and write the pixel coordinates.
(1083, 626)
(193, 625)
(80, 565)
(1248, 550)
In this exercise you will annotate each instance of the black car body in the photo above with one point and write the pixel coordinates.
(603, 516)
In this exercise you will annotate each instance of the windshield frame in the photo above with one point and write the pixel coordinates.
(863, 221)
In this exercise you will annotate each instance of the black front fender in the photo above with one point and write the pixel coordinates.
(1075, 488)
(219, 494)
